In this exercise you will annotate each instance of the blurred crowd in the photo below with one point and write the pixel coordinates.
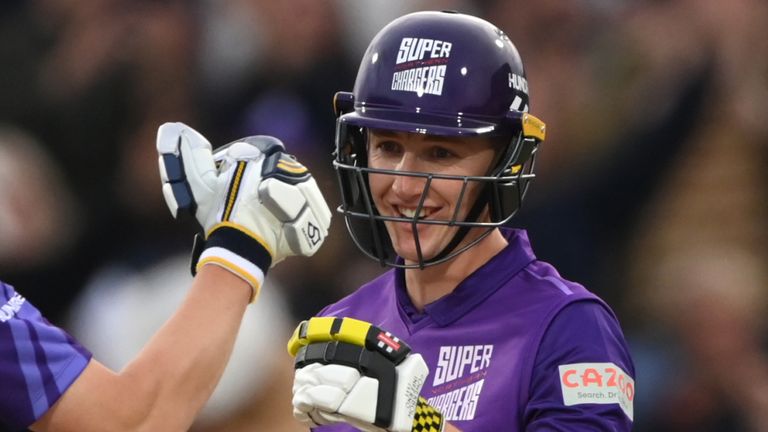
(651, 189)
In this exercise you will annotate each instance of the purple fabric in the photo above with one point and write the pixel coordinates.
(495, 346)
(38, 361)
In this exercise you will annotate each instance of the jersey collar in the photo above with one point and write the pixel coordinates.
(485, 281)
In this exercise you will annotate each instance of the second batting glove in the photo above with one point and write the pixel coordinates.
(349, 371)
(254, 202)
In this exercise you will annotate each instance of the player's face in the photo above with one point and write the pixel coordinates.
(399, 195)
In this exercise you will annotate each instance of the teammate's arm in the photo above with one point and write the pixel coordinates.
(172, 377)
(256, 206)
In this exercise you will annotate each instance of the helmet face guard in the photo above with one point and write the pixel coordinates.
(441, 74)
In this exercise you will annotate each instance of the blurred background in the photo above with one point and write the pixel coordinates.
(651, 189)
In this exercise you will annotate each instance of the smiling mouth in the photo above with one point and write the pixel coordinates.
(410, 213)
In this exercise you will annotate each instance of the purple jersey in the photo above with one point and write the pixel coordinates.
(38, 361)
(514, 347)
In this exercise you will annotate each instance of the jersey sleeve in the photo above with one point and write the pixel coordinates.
(38, 361)
(583, 375)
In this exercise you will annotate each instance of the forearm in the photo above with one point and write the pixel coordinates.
(179, 368)
(164, 387)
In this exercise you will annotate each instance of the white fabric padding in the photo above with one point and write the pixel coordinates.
(357, 404)
(326, 394)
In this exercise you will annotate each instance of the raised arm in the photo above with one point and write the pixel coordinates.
(169, 381)
(257, 205)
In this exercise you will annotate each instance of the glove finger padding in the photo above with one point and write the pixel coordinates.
(349, 330)
(340, 378)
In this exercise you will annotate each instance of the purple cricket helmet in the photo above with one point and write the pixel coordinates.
(438, 73)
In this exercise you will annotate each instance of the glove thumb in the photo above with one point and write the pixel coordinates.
(197, 164)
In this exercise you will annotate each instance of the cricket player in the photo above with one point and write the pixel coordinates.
(257, 205)
(435, 152)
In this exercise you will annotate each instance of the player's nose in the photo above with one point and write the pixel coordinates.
(411, 185)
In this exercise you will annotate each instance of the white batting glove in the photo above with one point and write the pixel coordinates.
(339, 382)
(333, 393)
(255, 203)
(327, 394)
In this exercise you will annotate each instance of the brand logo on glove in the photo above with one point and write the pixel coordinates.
(313, 234)
(392, 342)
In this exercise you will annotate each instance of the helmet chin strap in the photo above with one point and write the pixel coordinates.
(474, 212)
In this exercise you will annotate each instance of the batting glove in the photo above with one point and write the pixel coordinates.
(255, 203)
(353, 372)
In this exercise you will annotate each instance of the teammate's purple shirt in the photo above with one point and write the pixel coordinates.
(515, 347)
(38, 361)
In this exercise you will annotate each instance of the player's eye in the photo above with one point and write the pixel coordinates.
(388, 147)
(441, 153)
